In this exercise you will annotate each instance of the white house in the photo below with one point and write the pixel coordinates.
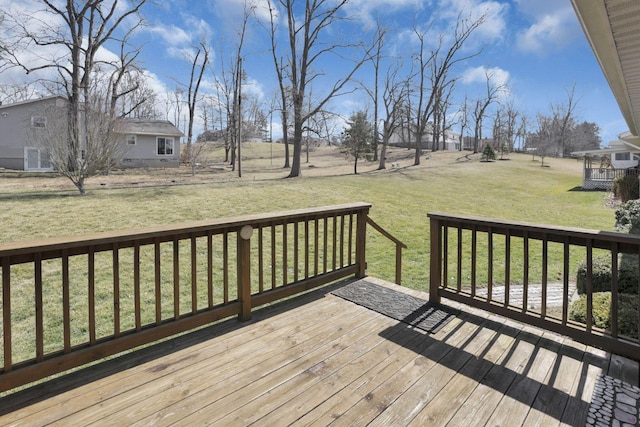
(146, 143)
(603, 166)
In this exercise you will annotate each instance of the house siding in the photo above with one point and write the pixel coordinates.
(15, 125)
(144, 153)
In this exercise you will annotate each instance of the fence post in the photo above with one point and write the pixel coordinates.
(435, 265)
(244, 272)
(361, 241)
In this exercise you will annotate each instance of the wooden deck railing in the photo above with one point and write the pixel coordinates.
(498, 266)
(67, 302)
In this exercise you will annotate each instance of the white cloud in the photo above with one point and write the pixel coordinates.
(554, 26)
(171, 34)
(367, 11)
(492, 12)
(498, 78)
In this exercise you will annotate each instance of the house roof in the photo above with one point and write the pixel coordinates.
(32, 101)
(149, 127)
(619, 146)
(612, 28)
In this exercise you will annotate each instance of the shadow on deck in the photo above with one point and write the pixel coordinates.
(318, 359)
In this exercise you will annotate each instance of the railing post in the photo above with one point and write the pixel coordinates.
(244, 272)
(435, 264)
(361, 240)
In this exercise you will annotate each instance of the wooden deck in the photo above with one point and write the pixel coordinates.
(318, 359)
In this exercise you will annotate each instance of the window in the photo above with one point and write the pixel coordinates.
(164, 146)
(37, 159)
(38, 122)
(623, 156)
(131, 140)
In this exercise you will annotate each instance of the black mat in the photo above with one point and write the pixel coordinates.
(397, 305)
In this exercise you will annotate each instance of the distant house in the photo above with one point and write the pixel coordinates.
(145, 142)
(603, 166)
(149, 143)
(404, 137)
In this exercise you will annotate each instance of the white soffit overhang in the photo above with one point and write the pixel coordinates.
(613, 30)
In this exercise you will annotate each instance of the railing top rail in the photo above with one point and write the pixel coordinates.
(385, 233)
(561, 231)
(163, 231)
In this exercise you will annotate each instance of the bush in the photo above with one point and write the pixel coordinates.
(488, 153)
(627, 312)
(628, 217)
(628, 275)
(627, 187)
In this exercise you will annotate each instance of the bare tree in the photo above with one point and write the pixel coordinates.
(86, 27)
(306, 46)
(481, 105)
(199, 64)
(374, 94)
(394, 97)
(463, 120)
(543, 138)
(435, 66)
(563, 114)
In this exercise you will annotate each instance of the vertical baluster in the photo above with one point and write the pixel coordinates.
(316, 249)
(136, 286)
(525, 273)
(507, 267)
(194, 275)
(306, 249)
(614, 290)
(285, 266)
(225, 266)
(176, 278)
(589, 285)
(335, 241)
(565, 287)
(296, 250)
(66, 302)
(445, 256)
(6, 313)
(273, 256)
(39, 307)
(350, 248)
(545, 262)
(341, 241)
(638, 296)
(92, 294)
(474, 257)
(490, 265)
(459, 270)
(157, 255)
(260, 261)
(325, 244)
(116, 290)
(210, 269)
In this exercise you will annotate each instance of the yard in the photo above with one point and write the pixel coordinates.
(37, 206)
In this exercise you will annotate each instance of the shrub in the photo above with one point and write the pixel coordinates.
(626, 187)
(627, 312)
(488, 153)
(628, 217)
(628, 275)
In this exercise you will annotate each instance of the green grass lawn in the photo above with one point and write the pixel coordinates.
(517, 189)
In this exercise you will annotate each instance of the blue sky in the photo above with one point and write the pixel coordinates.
(535, 46)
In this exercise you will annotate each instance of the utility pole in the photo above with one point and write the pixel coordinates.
(239, 117)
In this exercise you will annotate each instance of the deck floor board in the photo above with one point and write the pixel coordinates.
(318, 360)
